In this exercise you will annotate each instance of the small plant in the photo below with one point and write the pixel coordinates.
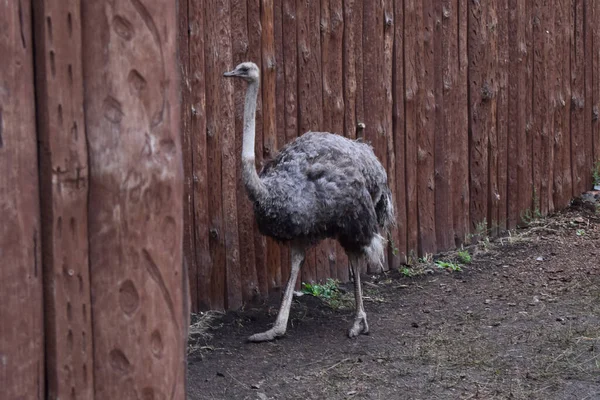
(327, 290)
(580, 232)
(596, 173)
(464, 257)
(449, 266)
(408, 272)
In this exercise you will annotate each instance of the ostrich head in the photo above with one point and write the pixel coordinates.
(248, 71)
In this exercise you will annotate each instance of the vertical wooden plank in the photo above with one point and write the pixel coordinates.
(481, 107)
(136, 199)
(351, 43)
(412, 66)
(269, 134)
(527, 22)
(229, 160)
(64, 197)
(217, 35)
(596, 81)
(284, 249)
(514, 126)
(562, 88)
(502, 114)
(460, 120)
(189, 242)
(549, 139)
(21, 333)
(425, 133)
(491, 79)
(520, 95)
(394, 257)
(543, 23)
(398, 179)
(199, 128)
(443, 131)
(578, 157)
(255, 55)
(332, 27)
(589, 93)
(540, 105)
(310, 98)
(245, 212)
(290, 66)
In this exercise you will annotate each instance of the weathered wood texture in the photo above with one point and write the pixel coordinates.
(483, 113)
(135, 220)
(64, 177)
(21, 319)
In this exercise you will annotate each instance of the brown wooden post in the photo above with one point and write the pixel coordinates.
(136, 198)
(21, 326)
(64, 191)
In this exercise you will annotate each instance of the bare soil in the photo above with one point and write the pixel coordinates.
(522, 321)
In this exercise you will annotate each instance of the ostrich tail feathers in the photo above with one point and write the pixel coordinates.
(375, 251)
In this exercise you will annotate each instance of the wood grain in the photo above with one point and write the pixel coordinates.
(64, 177)
(21, 314)
(135, 221)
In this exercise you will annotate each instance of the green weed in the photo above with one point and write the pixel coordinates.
(449, 266)
(464, 257)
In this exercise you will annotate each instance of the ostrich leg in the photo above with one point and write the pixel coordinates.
(280, 326)
(360, 320)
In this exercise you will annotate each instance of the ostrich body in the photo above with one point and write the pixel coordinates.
(319, 186)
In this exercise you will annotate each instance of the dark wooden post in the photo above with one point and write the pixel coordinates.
(64, 191)
(21, 326)
(135, 198)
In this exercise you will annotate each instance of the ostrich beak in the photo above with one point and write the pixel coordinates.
(229, 74)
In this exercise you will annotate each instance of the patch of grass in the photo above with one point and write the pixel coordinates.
(448, 265)
(329, 292)
(408, 272)
(464, 257)
(596, 173)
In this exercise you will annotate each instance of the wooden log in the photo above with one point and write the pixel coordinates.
(482, 108)
(255, 55)
(269, 125)
(425, 133)
(245, 212)
(460, 164)
(595, 18)
(64, 199)
(135, 199)
(284, 249)
(21, 330)
(310, 98)
(199, 128)
(578, 153)
(588, 143)
(290, 66)
(229, 161)
(502, 115)
(562, 138)
(397, 157)
(189, 240)
(412, 51)
(442, 11)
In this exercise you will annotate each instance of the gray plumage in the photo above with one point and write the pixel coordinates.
(319, 186)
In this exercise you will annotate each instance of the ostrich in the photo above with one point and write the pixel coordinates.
(319, 186)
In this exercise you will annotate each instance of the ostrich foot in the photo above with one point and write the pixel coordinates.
(360, 326)
(266, 336)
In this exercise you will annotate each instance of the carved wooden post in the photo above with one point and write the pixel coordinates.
(135, 200)
(64, 198)
(21, 327)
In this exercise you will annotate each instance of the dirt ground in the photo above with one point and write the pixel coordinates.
(522, 321)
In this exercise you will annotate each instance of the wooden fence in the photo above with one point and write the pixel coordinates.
(482, 111)
(93, 300)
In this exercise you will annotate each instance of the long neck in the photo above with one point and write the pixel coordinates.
(256, 189)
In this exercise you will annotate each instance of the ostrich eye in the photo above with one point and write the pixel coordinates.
(244, 69)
